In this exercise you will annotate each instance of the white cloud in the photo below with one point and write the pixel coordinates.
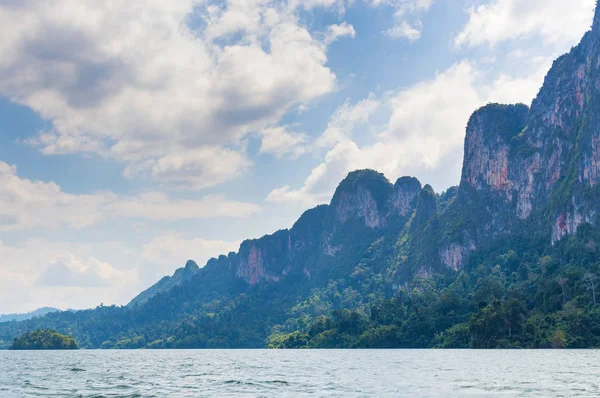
(66, 270)
(430, 117)
(136, 84)
(346, 118)
(340, 5)
(509, 90)
(403, 7)
(407, 15)
(343, 154)
(160, 207)
(30, 204)
(406, 31)
(501, 20)
(321, 183)
(37, 273)
(424, 135)
(280, 141)
(189, 170)
(335, 32)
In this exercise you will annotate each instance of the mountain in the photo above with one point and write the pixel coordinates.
(167, 283)
(29, 315)
(509, 258)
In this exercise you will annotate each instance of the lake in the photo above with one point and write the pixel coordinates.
(327, 373)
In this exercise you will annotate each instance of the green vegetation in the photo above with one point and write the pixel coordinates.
(517, 294)
(45, 339)
(516, 290)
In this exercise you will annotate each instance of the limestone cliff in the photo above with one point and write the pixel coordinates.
(532, 167)
(538, 165)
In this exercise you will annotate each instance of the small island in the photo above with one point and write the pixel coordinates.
(45, 339)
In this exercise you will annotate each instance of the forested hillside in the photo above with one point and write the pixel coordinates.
(509, 258)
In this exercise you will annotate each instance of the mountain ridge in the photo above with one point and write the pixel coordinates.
(24, 316)
(506, 259)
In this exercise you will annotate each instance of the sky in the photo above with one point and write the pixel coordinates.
(135, 135)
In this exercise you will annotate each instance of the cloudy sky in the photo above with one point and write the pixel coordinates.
(135, 135)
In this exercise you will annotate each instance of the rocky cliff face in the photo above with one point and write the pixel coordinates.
(404, 195)
(363, 196)
(365, 204)
(523, 166)
(543, 162)
(364, 207)
(487, 147)
(273, 257)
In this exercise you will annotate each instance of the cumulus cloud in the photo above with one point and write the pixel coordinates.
(281, 141)
(405, 30)
(343, 153)
(346, 118)
(323, 179)
(340, 5)
(424, 135)
(501, 20)
(68, 271)
(200, 168)
(38, 272)
(408, 17)
(29, 204)
(335, 32)
(159, 207)
(139, 85)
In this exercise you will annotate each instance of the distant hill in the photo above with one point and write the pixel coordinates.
(23, 317)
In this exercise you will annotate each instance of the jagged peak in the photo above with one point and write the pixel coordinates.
(191, 265)
(428, 190)
(359, 177)
(369, 180)
(426, 196)
(222, 258)
(311, 217)
(426, 203)
(406, 190)
(248, 243)
(190, 268)
(406, 181)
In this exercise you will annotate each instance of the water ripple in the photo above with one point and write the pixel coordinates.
(335, 373)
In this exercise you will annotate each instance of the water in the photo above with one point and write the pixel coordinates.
(264, 373)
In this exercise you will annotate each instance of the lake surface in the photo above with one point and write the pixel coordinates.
(265, 373)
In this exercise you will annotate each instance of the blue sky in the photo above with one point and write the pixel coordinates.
(137, 135)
